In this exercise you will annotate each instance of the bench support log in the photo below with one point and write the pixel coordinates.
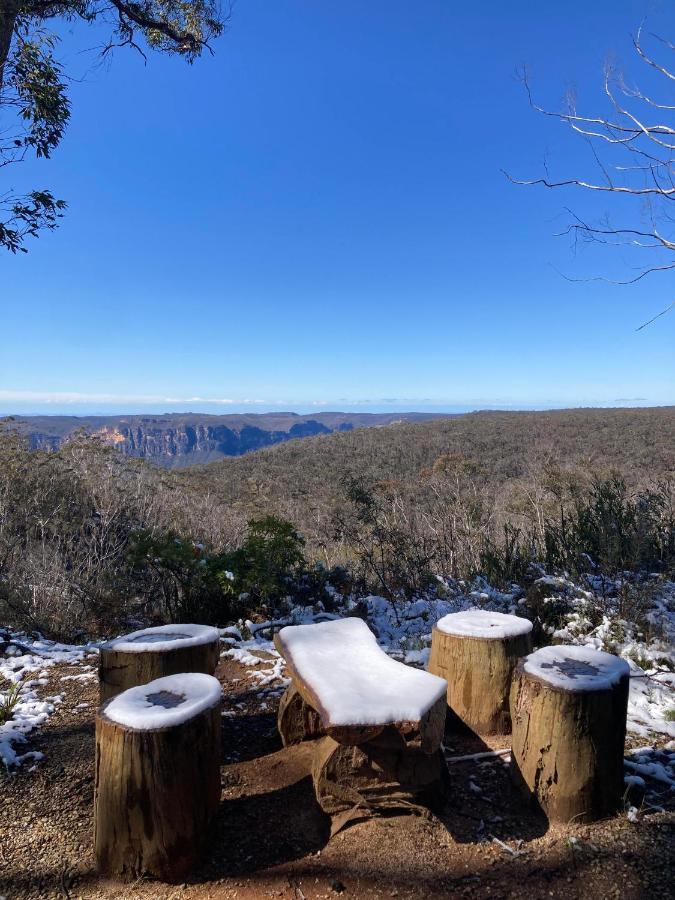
(297, 720)
(378, 775)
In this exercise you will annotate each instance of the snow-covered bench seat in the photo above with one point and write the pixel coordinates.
(157, 776)
(476, 651)
(151, 653)
(376, 724)
(356, 690)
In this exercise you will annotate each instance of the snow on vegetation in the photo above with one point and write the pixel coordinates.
(598, 614)
(587, 615)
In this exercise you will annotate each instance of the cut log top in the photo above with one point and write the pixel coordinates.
(483, 625)
(574, 668)
(341, 672)
(163, 638)
(164, 702)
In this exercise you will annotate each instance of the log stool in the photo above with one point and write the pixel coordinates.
(157, 776)
(568, 707)
(476, 652)
(376, 724)
(142, 656)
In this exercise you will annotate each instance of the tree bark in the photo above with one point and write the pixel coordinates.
(567, 747)
(479, 673)
(119, 670)
(156, 793)
(297, 720)
(377, 775)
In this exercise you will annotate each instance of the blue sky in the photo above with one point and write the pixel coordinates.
(316, 217)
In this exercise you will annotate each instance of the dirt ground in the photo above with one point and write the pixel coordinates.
(271, 839)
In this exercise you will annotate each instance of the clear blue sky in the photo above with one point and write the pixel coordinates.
(316, 216)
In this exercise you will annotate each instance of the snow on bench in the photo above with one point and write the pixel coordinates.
(164, 637)
(164, 702)
(483, 624)
(574, 668)
(357, 690)
(151, 653)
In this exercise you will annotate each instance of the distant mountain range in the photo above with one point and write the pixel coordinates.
(184, 439)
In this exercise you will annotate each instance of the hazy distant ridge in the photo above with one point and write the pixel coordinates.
(183, 439)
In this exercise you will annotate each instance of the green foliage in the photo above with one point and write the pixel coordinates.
(33, 84)
(266, 567)
(610, 529)
(507, 560)
(9, 699)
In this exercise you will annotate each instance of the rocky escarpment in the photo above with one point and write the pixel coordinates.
(178, 439)
(199, 441)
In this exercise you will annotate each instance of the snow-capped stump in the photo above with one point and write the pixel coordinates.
(157, 776)
(568, 708)
(377, 724)
(142, 656)
(476, 652)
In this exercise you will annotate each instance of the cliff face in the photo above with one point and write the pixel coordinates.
(184, 444)
(183, 439)
(161, 444)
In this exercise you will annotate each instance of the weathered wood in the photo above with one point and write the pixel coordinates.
(297, 720)
(122, 669)
(479, 673)
(425, 733)
(378, 775)
(156, 793)
(567, 754)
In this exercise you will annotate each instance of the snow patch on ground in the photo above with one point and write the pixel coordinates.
(26, 657)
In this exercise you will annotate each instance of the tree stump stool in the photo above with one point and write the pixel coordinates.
(157, 776)
(143, 656)
(377, 725)
(568, 707)
(476, 652)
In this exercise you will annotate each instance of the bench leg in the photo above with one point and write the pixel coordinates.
(378, 775)
(297, 721)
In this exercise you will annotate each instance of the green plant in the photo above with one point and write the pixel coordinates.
(266, 568)
(9, 700)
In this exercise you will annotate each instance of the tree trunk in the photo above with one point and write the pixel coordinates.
(567, 747)
(156, 793)
(119, 669)
(377, 775)
(478, 672)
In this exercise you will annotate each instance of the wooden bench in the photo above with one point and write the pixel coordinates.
(377, 724)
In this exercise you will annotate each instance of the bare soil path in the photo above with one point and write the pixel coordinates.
(271, 839)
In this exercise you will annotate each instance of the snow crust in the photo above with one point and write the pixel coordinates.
(483, 623)
(164, 702)
(355, 682)
(164, 637)
(576, 668)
